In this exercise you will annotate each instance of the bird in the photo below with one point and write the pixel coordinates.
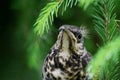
(68, 57)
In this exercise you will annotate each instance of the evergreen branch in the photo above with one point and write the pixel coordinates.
(106, 63)
(101, 67)
(105, 20)
(46, 15)
(45, 18)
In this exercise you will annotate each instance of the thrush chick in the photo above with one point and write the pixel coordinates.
(68, 56)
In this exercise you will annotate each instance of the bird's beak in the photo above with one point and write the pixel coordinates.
(68, 38)
(68, 32)
(71, 35)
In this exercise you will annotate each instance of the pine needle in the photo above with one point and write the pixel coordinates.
(46, 15)
(45, 18)
(105, 20)
(105, 65)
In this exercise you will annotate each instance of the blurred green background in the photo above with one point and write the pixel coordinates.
(21, 51)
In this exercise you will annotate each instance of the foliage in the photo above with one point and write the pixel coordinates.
(105, 20)
(106, 63)
(45, 18)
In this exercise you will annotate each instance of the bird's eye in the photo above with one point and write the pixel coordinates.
(79, 36)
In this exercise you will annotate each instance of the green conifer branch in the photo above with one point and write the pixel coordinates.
(105, 20)
(46, 15)
(106, 63)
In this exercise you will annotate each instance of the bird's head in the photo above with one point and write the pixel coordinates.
(71, 37)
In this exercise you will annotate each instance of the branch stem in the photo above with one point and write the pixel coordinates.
(106, 21)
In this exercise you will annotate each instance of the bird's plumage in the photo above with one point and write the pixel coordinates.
(68, 57)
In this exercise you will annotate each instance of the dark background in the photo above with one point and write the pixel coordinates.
(21, 51)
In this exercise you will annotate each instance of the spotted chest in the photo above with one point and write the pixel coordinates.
(58, 67)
